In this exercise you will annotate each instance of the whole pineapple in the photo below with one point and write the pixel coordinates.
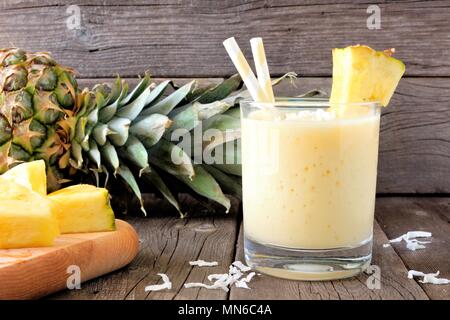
(111, 130)
(43, 115)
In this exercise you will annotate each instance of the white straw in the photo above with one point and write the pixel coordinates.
(262, 69)
(244, 70)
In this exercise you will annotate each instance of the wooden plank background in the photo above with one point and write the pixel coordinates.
(184, 38)
(168, 243)
(180, 39)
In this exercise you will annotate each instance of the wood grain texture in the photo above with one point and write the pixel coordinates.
(36, 272)
(167, 245)
(415, 132)
(400, 215)
(394, 283)
(184, 38)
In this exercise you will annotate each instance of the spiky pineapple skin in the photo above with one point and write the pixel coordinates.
(36, 97)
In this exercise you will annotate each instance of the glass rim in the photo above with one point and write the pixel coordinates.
(306, 103)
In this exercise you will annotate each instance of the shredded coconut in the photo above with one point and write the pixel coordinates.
(225, 280)
(428, 277)
(215, 285)
(249, 277)
(241, 266)
(218, 276)
(412, 235)
(203, 263)
(242, 283)
(158, 287)
(410, 238)
(414, 245)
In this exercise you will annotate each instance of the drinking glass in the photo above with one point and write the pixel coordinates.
(309, 181)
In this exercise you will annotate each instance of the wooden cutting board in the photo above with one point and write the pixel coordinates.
(35, 272)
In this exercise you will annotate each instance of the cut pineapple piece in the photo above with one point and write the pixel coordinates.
(361, 74)
(26, 217)
(83, 208)
(11, 190)
(29, 174)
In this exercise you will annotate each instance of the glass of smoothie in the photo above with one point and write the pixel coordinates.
(309, 181)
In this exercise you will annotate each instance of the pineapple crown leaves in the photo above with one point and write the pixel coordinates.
(128, 133)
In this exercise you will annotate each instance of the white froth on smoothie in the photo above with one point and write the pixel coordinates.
(300, 115)
(310, 115)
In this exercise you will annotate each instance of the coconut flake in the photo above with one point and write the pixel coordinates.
(410, 238)
(203, 263)
(414, 273)
(386, 245)
(414, 245)
(158, 287)
(428, 277)
(218, 276)
(215, 285)
(242, 283)
(418, 234)
(249, 277)
(225, 280)
(241, 266)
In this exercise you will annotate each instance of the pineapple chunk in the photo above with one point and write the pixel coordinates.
(29, 174)
(361, 74)
(83, 208)
(26, 217)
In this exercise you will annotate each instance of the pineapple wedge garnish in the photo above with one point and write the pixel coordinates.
(27, 218)
(31, 175)
(361, 74)
(83, 208)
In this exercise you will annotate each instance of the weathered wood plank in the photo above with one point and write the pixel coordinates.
(171, 38)
(394, 284)
(400, 215)
(415, 132)
(168, 243)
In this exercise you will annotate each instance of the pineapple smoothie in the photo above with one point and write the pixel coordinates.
(309, 165)
(309, 178)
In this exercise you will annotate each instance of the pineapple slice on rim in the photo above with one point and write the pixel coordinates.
(31, 175)
(83, 208)
(27, 218)
(361, 74)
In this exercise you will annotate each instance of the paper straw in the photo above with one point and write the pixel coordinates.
(244, 70)
(262, 69)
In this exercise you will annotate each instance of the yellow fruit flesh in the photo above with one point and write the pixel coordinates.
(361, 74)
(83, 208)
(26, 217)
(29, 174)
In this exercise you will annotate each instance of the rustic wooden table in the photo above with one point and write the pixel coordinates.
(168, 243)
(184, 40)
